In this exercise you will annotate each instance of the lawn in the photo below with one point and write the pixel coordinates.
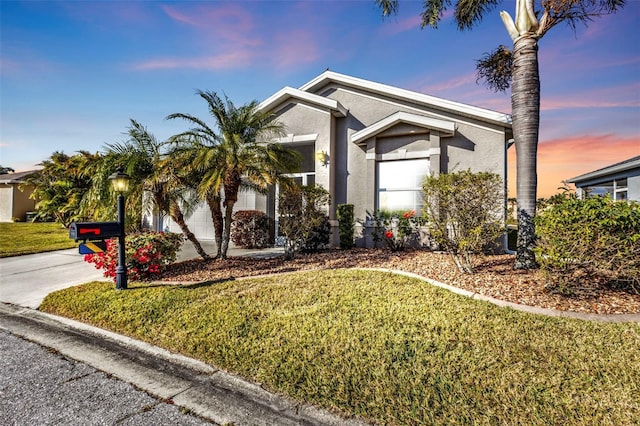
(29, 238)
(383, 347)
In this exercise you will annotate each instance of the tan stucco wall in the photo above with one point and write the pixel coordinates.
(14, 203)
(6, 203)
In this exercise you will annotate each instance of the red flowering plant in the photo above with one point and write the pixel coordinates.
(147, 254)
(397, 229)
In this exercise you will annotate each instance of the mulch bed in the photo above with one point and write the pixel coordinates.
(494, 276)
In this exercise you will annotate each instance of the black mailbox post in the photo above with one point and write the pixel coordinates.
(99, 231)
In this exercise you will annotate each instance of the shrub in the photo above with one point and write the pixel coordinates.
(302, 220)
(590, 242)
(464, 211)
(396, 228)
(345, 217)
(146, 254)
(251, 229)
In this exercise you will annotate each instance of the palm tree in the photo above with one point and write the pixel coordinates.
(518, 68)
(239, 153)
(186, 155)
(61, 186)
(144, 159)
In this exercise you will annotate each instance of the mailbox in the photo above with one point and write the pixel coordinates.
(94, 230)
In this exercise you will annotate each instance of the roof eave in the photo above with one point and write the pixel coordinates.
(606, 171)
(483, 114)
(286, 93)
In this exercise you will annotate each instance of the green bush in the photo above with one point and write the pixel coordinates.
(302, 221)
(346, 224)
(250, 229)
(397, 229)
(465, 213)
(147, 254)
(583, 244)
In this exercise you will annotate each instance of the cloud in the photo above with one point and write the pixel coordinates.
(562, 159)
(453, 83)
(27, 66)
(225, 23)
(464, 88)
(231, 37)
(223, 61)
(294, 48)
(604, 97)
(400, 26)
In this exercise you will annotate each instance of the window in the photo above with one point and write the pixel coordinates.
(400, 184)
(615, 189)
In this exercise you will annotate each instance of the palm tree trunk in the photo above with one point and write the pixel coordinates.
(231, 186)
(178, 217)
(525, 105)
(218, 221)
(228, 213)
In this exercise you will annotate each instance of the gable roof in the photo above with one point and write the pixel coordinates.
(286, 93)
(622, 166)
(443, 126)
(331, 77)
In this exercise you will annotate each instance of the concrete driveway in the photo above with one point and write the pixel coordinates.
(26, 280)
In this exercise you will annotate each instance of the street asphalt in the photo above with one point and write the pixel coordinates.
(56, 371)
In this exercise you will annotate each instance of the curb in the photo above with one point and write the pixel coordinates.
(208, 392)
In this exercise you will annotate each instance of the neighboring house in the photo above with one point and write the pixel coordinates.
(620, 181)
(14, 201)
(371, 145)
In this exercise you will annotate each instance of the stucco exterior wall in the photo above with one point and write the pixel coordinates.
(475, 145)
(6, 203)
(633, 185)
(14, 203)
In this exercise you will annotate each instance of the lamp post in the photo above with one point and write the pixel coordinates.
(120, 184)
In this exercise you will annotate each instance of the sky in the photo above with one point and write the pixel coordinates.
(73, 73)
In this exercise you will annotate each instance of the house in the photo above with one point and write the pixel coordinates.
(14, 196)
(620, 181)
(371, 144)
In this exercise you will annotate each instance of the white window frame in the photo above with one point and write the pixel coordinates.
(416, 188)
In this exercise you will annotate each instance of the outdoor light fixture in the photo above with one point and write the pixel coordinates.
(120, 181)
(120, 184)
(322, 157)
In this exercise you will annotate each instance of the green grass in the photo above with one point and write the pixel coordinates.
(28, 238)
(384, 347)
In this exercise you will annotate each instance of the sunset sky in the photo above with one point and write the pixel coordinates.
(74, 73)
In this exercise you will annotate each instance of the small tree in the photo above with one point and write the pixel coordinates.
(303, 222)
(464, 211)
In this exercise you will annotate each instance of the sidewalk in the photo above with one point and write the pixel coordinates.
(196, 387)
